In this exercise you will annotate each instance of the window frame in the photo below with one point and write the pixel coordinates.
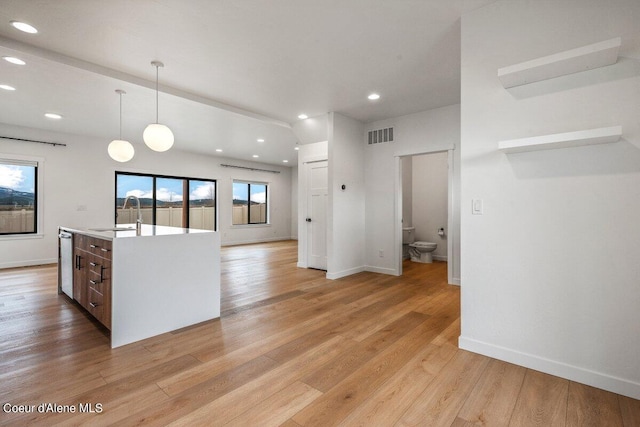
(266, 202)
(38, 211)
(186, 181)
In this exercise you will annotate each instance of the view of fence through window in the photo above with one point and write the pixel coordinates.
(249, 203)
(18, 197)
(170, 201)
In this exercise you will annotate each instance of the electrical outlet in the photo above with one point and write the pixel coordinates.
(381, 253)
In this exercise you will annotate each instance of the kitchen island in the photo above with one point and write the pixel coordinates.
(140, 285)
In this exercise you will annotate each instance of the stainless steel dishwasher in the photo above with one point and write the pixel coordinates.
(65, 266)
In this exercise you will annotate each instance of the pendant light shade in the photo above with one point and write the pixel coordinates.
(119, 149)
(157, 136)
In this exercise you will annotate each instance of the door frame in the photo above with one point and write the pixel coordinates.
(451, 232)
(309, 225)
(303, 207)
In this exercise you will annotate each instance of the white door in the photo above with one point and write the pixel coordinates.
(317, 197)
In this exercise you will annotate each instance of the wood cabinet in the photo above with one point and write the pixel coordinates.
(92, 276)
(139, 285)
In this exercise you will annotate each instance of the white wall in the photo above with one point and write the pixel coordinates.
(550, 271)
(346, 217)
(427, 131)
(80, 175)
(430, 200)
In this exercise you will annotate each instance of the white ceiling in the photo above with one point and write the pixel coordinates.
(235, 71)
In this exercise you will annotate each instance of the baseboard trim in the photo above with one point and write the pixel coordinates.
(455, 281)
(552, 367)
(440, 258)
(28, 263)
(344, 273)
(381, 270)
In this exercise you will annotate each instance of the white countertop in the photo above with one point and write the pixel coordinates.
(129, 230)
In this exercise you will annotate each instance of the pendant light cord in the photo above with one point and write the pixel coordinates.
(120, 115)
(157, 64)
(120, 92)
(157, 67)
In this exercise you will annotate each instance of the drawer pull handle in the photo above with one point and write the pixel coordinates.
(93, 264)
(93, 246)
(93, 304)
(104, 249)
(93, 282)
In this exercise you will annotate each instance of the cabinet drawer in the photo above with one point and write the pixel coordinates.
(95, 304)
(99, 302)
(100, 247)
(97, 285)
(99, 269)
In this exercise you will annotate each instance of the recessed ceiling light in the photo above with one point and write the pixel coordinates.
(255, 156)
(285, 161)
(303, 116)
(260, 140)
(373, 96)
(23, 26)
(296, 148)
(7, 87)
(14, 60)
(53, 116)
(219, 150)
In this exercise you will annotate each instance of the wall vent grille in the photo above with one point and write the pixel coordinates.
(379, 136)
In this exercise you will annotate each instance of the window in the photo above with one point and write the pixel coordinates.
(202, 204)
(249, 203)
(167, 200)
(18, 197)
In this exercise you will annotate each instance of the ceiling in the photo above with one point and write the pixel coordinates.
(235, 70)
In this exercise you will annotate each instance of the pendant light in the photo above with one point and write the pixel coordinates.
(157, 136)
(119, 149)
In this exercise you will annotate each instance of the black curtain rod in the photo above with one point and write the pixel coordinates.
(251, 169)
(54, 144)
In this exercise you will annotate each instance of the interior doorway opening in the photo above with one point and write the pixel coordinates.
(317, 189)
(425, 209)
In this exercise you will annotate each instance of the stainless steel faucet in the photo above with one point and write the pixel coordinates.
(139, 220)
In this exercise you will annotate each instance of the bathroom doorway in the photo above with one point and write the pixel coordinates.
(424, 201)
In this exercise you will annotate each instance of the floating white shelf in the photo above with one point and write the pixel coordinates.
(562, 140)
(562, 63)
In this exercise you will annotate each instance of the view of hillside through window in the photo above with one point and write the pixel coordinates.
(249, 203)
(18, 197)
(170, 201)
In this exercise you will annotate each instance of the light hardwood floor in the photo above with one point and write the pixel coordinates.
(291, 348)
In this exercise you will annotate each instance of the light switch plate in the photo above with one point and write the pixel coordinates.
(476, 207)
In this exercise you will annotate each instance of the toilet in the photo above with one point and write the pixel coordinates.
(408, 237)
(421, 251)
(418, 251)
